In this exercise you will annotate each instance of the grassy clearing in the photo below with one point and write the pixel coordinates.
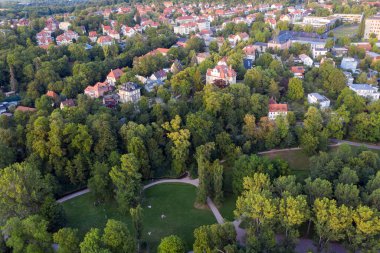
(299, 162)
(346, 31)
(175, 201)
(228, 207)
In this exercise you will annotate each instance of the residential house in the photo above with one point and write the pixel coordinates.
(202, 56)
(98, 90)
(93, 36)
(276, 110)
(349, 63)
(298, 71)
(128, 31)
(366, 90)
(67, 103)
(316, 98)
(105, 41)
(114, 76)
(129, 92)
(221, 72)
(306, 60)
(159, 75)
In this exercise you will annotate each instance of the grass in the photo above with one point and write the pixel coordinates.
(299, 162)
(346, 30)
(228, 207)
(175, 201)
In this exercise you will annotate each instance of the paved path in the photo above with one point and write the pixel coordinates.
(357, 144)
(73, 195)
(195, 182)
(302, 246)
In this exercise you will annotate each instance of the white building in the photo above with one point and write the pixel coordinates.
(307, 61)
(372, 26)
(316, 98)
(349, 63)
(366, 90)
(129, 92)
(319, 51)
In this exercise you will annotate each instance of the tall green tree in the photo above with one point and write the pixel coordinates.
(127, 182)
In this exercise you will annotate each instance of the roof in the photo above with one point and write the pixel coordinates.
(51, 94)
(298, 69)
(68, 102)
(116, 73)
(278, 108)
(362, 86)
(129, 86)
(319, 97)
(25, 109)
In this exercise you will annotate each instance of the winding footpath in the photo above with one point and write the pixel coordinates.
(302, 246)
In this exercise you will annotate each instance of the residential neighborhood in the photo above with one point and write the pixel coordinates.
(189, 126)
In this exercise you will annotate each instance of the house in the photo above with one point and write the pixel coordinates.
(276, 109)
(339, 51)
(111, 100)
(202, 56)
(93, 36)
(113, 76)
(307, 61)
(114, 35)
(221, 72)
(128, 31)
(349, 77)
(67, 103)
(159, 75)
(176, 67)
(98, 90)
(21, 108)
(366, 90)
(298, 71)
(52, 95)
(105, 41)
(150, 85)
(316, 98)
(67, 38)
(129, 92)
(319, 51)
(373, 56)
(349, 63)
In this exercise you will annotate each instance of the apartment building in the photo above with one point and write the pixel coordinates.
(372, 26)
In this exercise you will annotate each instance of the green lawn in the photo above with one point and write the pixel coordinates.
(228, 207)
(175, 201)
(346, 31)
(297, 159)
(299, 162)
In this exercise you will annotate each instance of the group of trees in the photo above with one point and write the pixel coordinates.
(283, 205)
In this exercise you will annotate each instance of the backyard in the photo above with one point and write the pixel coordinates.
(168, 209)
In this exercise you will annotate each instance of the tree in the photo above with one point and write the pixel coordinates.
(259, 209)
(348, 176)
(22, 191)
(117, 237)
(330, 221)
(100, 183)
(92, 242)
(347, 194)
(27, 235)
(364, 234)
(293, 211)
(171, 244)
(217, 171)
(127, 181)
(287, 185)
(313, 137)
(136, 146)
(67, 239)
(295, 89)
(180, 139)
(213, 238)
(137, 221)
(202, 156)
